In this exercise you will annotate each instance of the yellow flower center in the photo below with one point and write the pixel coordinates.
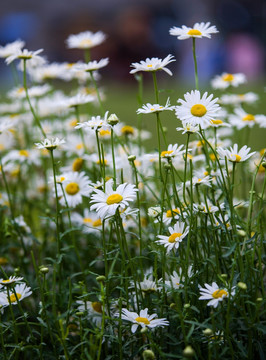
(105, 162)
(142, 320)
(217, 122)
(20, 90)
(212, 157)
(249, 117)
(77, 164)
(12, 297)
(173, 212)
(127, 130)
(79, 146)
(3, 261)
(97, 306)
(86, 42)
(97, 223)
(164, 153)
(198, 110)
(219, 293)
(114, 199)
(104, 132)
(149, 66)
(172, 237)
(74, 122)
(87, 220)
(23, 153)
(72, 188)
(238, 158)
(228, 77)
(5, 281)
(194, 32)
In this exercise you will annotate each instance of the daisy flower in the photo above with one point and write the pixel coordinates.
(95, 123)
(21, 290)
(11, 48)
(189, 129)
(85, 40)
(106, 203)
(93, 309)
(199, 30)
(153, 64)
(10, 280)
(25, 55)
(50, 144)
(155, 108)
(196, 110)
(240, 119)
(143, 319)
(92, 65)
(177, 278)
(178, 233)
(214, 294)
(236, 99)
(79, 99)
(90, 221)
(74, 185)
(171, 214)
(235, 155)
(226, 79)
(172, 151)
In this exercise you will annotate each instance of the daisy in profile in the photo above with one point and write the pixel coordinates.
(95, 123)
(235, 155)
(90, 221)
(25, 55)
(214, 294)
(177, 234)
(189, 128)
(91, 66)
(171, 214)
(74, 185)
(199, 30)
(177, 279)
(93, 309)
(143, 319)
(106, 203)
(85, 40)
(237, 99)
(10, 280)
(197, 110)
(153, 64)
(11, 48)
(19, 292)
(50, 144)
(173, 151)
(155, 108)
(226, 79)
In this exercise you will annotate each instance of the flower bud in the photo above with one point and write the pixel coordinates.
(242, 285)
(167, 166)
(44, 270)
(241, 233)
(224, 276)
(263, 164)
(101, 278)
(148, 355)
(112, 119)
(144, 330)
(187, 306)
(80, 313)
(131, 158)
(188, 351)
(207, 332)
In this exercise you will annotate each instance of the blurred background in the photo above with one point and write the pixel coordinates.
(138, 29)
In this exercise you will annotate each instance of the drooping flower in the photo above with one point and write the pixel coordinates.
(199, 30)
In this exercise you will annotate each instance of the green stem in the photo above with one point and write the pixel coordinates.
(195, 63)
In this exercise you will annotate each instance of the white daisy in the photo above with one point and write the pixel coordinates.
(155, 108)
(178, 233)
(85, 40)
(153, 64)
(227, 79)
(142, 319)
(178, 278)
(10, 280)
(93, 309)
(171, 214)
(235, 155)
(33, 92)
(189, 128)
(173, 151)
(50, 144)
(90, 221)
(241, 119)
(236, 99)
(196, 110)
(214, 294)
(199, 30)
(11, 48)
(91, 66)
(24, 55)
(106, 203)
(95, 123)
(21, 290)
(75, 185)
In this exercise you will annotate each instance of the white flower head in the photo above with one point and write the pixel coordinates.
(189, 128)
(11, 48)
(50, 144)
(155, 108)
(10, 280)
(142, 319)
(106, 203)
(85, 40)
(153, 64)
(173, 151)
(235, 155)
(199, 30)
(91, 66)
(19, 292)
(25, 55)
(177, 234)
(226, 79)
(197, 110)
(214, 294)
(241, 119)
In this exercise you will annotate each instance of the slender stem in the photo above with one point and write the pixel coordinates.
(113, 156)
(97, 92)
(195, 63)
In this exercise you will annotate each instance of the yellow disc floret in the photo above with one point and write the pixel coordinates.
(97, 306)
(249, 117)
(142, 320)
(172, 237)
(12, 297)
(164, 153)
(198, 110)
(72, 188)
(219, 293)
(114, 199)
(228, 77)
(193, 32)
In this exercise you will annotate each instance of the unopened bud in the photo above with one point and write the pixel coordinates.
(207, 332)
(144, 330)
(241, 233)
(263, 164)
(259, 299)
(167, 166)
(44, 270)
(79, 313)
(187, 306)
(165, 129)
(148, 355)
(224, 276)
(188, 351)
(201, 208)
(242, 285)
(173, 306)
(131, 158)
(101, 278)
(112, 119)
